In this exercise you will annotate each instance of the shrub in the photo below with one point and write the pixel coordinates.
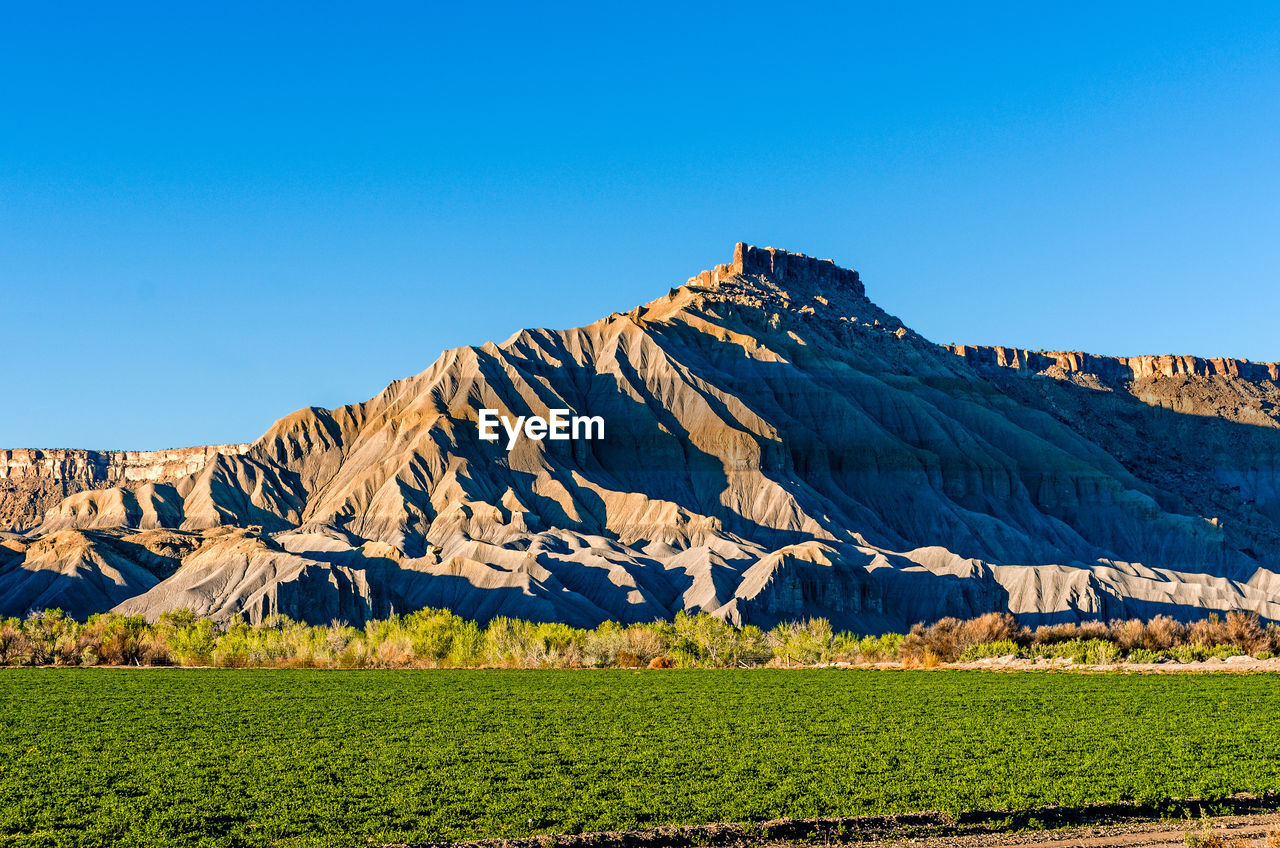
(1101, 652)
(925, 658)
(982, 650)
(804, 643)
(1162, 633)
(435, 638)
(13, 642)
(879, 648)
(605, 645)
(949, 639)
(844, 647)
(1094, 630)
(1052, 634)
(119, 640)
(991, 627)
(1209, 631)
(704, 640)
(943, 641)
(1144, 656)
(431, 634)
(1129, 634)
(1190, 653)
(192, 643)
(465, 645)
(1081, 651)
(1244, 630)
(1271, 637)
(645, 642)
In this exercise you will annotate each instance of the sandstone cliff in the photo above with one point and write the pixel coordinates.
(776, 446)
(32, 481)
(1234, 389)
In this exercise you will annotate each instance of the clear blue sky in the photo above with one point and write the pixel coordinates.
(211, 217)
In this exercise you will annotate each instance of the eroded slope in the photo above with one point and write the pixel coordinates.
(776, 446)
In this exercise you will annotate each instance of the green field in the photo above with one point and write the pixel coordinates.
(181, 757)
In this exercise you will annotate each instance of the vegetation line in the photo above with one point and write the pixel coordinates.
(439, 639)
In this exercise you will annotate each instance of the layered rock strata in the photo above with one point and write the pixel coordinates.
(32, 481)
(776, 447)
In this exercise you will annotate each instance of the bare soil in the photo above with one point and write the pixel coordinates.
(1242, 821)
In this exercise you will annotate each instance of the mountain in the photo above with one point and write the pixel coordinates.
(32, 481)
(775, 446)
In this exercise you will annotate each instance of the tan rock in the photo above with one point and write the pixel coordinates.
(776, 447)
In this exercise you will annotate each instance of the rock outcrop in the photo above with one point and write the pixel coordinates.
(1234, 389)
(32, 481)
(776, 446)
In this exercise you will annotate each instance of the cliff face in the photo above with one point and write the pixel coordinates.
(1206, 431)
(776, 446)
(32, 481)
(1121, 368)
(1232, 389)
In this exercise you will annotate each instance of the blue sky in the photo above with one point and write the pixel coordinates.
(212, 216)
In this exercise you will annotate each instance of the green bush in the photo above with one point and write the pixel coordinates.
(1102, 652)
(1190, 653)
(433, 638)
(983, 650)
(803, 642)
(1081, 651)
(879, 648)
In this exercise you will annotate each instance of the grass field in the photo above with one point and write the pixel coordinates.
(182, 757)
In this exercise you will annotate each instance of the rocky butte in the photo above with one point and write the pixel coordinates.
(776, 446)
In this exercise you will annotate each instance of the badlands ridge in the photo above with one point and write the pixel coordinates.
(776, 447)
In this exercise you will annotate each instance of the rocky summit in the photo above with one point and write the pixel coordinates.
(774, 447)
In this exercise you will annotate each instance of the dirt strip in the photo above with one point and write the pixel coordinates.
(1242, 820)
(1251, 831)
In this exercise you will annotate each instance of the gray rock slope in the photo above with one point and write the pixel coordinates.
(776, 447)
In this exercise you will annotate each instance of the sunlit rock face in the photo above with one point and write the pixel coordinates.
(32, 481)
(775, 447)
